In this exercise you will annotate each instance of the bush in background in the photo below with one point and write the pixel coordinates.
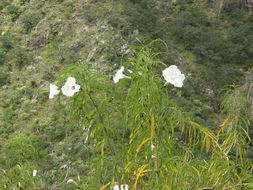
(30, 20)
(19, 56)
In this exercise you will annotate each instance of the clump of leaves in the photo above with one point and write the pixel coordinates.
(3, 4)
(13, 11)
(19, 177)
(29, 21)
(2, 56)
(19, 149)
(19, 57)
(7, 41)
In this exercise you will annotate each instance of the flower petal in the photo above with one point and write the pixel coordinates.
(71, 80)
(174, 76)
(119, 75)
(77, 88)
(34, 173)
(53, 91)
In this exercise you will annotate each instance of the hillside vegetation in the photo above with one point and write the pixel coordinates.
(139, 131)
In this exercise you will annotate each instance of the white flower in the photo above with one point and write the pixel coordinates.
(116, 187)
(119, 75)
(152, 147)
(173, 75)
(122, 187)
(70, 87)
(53, 91)
(34, 173)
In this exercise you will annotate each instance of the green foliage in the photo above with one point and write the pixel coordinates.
(55, 54)
(2, 56)
(241, 43)
(233, 7)
(197, 30)
(7, 119)
(19, 149)
(137, 16)
(7, 41)
(22, 2)
(216, 43)
(30, 20)
(19, 177)
(3, 78)
(3, 4)
(13, 11)
(19, 57)
(236, 106)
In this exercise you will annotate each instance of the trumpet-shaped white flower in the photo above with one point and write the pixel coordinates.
(53, 91)
(34, 173)
(174, 76)
(152, 147)
(70, 87)
(119, 75)
(122, 187)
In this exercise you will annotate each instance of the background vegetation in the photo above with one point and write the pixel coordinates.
(210, 41)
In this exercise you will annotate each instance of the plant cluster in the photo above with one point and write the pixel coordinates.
(13, 53)
(140, 138)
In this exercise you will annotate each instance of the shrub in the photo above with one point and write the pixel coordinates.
(22, 2)
(2, 56)
(7, 120)
(3, 4)
(30, 20)
(19, 149)
(194, 29)
(3, 76)
(13, 10)
(137, 15)
(7, 41)
(232, 7)
(18, 177)
(241, 43)
(19, 57)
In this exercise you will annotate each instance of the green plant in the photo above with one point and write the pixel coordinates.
(140, 137)
(3, 4)
(19, 149)
(236, 125)
(2, 56)
(13, 10)
(137, 15)
(19, 177)
(19, 56)
(22, 2)
(7, 118)
(29, 21)
(7, 41)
